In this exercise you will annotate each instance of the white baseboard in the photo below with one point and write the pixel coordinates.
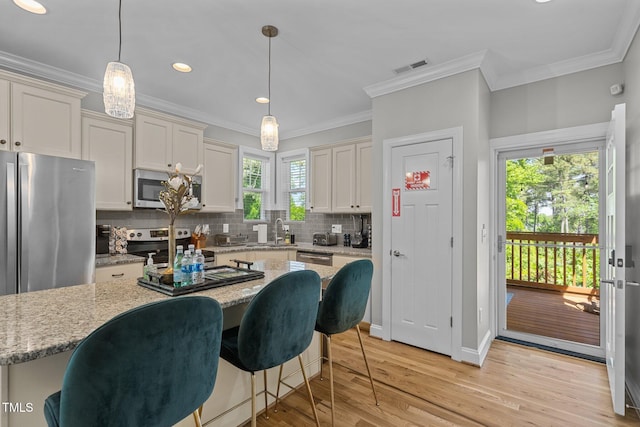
(477, 357)
(375, 331)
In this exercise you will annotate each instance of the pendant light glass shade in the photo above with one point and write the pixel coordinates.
(269, 133)
(119, 91)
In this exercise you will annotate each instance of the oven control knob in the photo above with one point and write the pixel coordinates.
(132, 235)
(139, 234)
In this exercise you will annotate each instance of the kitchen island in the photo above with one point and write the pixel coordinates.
(41, 328)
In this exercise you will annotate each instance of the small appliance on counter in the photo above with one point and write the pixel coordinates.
(325, 239)
(361, 237)
(103, 232)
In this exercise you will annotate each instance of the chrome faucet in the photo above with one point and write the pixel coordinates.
(276, 239)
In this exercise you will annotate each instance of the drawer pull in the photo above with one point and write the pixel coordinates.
(117, 275)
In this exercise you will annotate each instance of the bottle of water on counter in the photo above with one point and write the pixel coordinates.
(187, 268)
(177, 267)
(198, 267)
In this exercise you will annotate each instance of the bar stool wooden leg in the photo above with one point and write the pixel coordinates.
(306, 381)
(366, 363)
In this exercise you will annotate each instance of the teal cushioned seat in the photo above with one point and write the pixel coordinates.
(150, 366)
(343, 305)
(277, 326)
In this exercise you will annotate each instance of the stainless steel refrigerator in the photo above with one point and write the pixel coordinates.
(47, 222)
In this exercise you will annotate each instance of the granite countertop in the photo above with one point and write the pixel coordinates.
(103, 260)
(43, 323)
(336, 250)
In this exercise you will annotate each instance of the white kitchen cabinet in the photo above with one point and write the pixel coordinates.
(364, 177)
(219, 177)
(108, 273)
(343, 182)
(279, 254)
(341, 178)
(109, 143)
(5, 108)
(320, 182)
(39, 117)
(162, 140)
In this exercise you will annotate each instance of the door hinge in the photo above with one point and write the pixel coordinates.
(451, 241)
(451, 321)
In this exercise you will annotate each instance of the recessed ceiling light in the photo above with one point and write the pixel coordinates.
(183, 68)
(262, 100)
(31, 6)
(542, 1)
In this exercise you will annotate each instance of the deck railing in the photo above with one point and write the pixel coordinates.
(557, 261)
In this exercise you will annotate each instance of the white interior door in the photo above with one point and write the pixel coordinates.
(421, 244)
(613, 284)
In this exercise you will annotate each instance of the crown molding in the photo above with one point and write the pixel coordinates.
(426, 75)
(360, 117)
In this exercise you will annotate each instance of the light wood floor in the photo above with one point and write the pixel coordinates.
(553, 314)
(516, 386)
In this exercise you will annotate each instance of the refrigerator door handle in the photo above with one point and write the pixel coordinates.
(23, 268)
(12, 230)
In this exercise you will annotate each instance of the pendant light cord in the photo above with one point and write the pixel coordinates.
(120, 29)
(269, 106)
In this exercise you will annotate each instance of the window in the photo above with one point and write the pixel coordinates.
(294, 184)
(255, 169)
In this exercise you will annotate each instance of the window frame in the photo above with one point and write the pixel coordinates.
(283, 160)
(268, 160)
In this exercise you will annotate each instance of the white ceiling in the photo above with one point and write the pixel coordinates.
(325, 56)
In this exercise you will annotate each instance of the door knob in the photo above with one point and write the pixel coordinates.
(397, 253)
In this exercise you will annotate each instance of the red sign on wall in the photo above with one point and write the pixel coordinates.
(395, 202)
(419, 180)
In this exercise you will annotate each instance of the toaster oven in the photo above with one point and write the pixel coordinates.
(325, 239)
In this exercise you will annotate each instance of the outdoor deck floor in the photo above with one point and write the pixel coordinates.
(553, 314)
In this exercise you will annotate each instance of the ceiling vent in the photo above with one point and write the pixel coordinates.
(411, 67)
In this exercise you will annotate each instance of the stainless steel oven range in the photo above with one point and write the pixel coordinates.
(143, 241)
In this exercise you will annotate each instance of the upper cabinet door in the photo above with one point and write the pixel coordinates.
(154, 147)
(320, 181)
(363, 177)
(109, 143)
(5, 137)
(344, 178)
(187, 147)
(219, 178)
(45, 122)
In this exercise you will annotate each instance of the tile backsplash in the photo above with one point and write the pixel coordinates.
(315, 222)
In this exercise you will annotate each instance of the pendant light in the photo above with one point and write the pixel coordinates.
(119, 92)
(269, 127)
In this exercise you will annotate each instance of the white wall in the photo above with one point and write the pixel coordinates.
(572, 100)
(632, 90)
(446, 103)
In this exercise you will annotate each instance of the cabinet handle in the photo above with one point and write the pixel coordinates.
(18, 143)
(117, 275)
(129, 202)
(352, 206)
(3, 141)
(357, 206)
(169, 165)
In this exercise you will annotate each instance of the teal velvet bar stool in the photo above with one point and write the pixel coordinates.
(150, 366)
(343, 304)
(276, 327)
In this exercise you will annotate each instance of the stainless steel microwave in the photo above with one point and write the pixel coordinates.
(147, 186)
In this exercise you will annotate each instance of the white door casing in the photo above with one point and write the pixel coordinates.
(612, 260)
(425, 311)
